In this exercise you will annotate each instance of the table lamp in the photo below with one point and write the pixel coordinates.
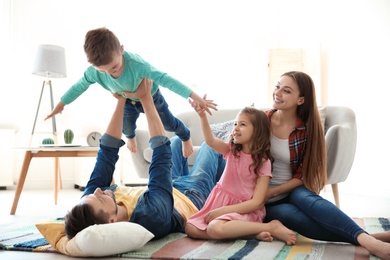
(49, 63)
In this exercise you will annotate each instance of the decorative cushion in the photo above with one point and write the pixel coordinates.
(322, 111)
(223, 130)
(96, 240)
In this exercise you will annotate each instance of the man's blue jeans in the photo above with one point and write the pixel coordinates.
(206, 171)
(170, 122)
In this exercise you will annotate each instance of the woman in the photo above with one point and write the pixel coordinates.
(296, 131)
(292, 197)
(297, 179)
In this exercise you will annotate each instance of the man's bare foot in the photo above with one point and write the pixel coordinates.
(281, 232)
(374, 246)
(188, 149)
(264, 236)
(132, 145)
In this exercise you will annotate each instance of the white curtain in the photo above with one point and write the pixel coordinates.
(5, 14)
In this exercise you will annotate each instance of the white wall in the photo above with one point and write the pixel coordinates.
(216, 47)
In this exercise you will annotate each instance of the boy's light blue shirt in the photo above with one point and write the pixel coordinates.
(134, 71)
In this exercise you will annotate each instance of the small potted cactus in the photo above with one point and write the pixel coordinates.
(68, 136)
(48, 141)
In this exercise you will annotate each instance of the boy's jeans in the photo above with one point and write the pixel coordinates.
(170, 122)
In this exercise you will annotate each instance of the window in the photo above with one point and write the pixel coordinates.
(283, 60)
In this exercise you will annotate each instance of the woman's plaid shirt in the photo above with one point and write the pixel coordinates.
(297, 144)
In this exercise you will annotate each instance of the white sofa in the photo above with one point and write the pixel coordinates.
(340, 135)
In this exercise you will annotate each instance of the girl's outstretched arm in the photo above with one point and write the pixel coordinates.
(217, 144)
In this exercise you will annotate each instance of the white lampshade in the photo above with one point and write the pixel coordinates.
(50, 62)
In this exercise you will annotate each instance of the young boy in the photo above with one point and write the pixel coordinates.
(117, 70)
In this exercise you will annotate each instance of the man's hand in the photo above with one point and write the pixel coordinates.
(142, 91)
(117, 96)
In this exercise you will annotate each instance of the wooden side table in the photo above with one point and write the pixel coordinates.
(45, 152)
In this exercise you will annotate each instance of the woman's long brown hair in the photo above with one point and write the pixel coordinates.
(314, 163)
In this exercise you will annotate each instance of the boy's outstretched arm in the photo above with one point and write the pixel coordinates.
(58, 109)
(204, 103)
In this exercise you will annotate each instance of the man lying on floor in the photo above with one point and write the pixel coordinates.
(163, 206)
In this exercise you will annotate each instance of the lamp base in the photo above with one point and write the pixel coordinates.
(53, 119)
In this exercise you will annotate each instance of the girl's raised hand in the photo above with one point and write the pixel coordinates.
(197, 108)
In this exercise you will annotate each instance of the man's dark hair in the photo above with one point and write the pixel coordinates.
(82, 216)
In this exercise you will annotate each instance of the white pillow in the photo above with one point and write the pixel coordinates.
(113, 238)
(97, 240)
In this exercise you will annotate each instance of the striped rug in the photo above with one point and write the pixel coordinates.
(178, 246)
(25, 237)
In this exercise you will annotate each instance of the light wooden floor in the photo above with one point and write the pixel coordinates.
(41, 203)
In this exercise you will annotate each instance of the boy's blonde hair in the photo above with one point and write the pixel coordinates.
(101, 46)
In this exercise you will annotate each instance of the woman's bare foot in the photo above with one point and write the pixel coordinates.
(264, 236)
(132, 145)
(374, 246)
(188, 149)
(281, 232)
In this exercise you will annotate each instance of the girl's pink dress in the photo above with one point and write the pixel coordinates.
(236, 185)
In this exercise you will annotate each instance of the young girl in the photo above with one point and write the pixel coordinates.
(235, 206)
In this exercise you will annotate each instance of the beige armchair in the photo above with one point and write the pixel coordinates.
(340, 135)
(341, 138)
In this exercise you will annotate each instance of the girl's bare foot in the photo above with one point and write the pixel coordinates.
(132, 145)
(374, 246)
(188, 149)
(264, 236)
(281, 232)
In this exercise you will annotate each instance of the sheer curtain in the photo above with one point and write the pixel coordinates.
(6, 62)
(5, 14)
